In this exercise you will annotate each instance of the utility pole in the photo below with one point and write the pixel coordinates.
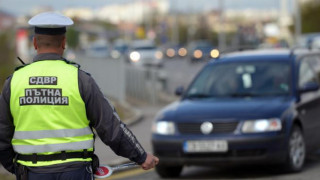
(297, 23)
(191, 28)
(284, 20)
(175, 14)
(147, 16)
(221, 35)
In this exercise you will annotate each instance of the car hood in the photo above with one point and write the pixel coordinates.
(232, 109)
(206, 50)
(147, 53)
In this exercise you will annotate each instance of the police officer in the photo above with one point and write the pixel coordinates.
(48, 109)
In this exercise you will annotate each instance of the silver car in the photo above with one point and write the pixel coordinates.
(145, 53)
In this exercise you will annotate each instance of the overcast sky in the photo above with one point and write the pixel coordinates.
(21, 7)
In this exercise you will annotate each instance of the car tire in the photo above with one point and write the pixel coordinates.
(168, 171)
(296, 151)
(160, 65)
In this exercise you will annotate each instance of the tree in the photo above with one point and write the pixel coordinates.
(7, 56)
(73, 38)
(310, 13)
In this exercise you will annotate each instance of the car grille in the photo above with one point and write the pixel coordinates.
(175, 152)
(194, 128)
(232, 153)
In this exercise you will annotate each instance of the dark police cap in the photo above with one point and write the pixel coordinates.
(50, 23)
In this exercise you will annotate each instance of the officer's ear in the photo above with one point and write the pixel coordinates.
(35, 45)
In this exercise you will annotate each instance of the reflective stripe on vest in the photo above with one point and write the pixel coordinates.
(28, 149)
(48, 112)
(51, 133)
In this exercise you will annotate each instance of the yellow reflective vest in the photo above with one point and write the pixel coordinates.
(48, 112)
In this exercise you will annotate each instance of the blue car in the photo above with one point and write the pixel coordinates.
(200, 50)
(251, 107)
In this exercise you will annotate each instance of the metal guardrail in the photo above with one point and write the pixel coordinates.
(108, 73)
(120, 80)
(142, 83)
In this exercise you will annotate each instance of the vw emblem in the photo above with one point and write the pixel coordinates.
(206, 127)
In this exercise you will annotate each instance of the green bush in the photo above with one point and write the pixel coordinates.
(310, 13)
(72, 38)
(7, 56)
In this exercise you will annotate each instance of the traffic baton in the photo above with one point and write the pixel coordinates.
(106, 171)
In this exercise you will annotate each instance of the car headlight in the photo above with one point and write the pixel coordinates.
(158, 55)
(197, 54)
(135, 56)
(182, 52)
(115, 54)
(214, 53)
(163, 127)
(170, 52)
(261, 125)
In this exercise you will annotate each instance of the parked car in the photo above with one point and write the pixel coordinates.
(98, 49)
(250, 107)
(172, 50)
(120, 49)
(145, 53)
(200, 50)
(316, 42)
(308, 40)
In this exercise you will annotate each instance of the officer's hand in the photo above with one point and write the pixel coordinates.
(150, 162)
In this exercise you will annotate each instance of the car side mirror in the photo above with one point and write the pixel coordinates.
(308, 87)
(179, 91)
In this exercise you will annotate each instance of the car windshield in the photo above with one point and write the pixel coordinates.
(203, 47)
(99, 48)
(121, 48)
(242, 79)
(144, 48)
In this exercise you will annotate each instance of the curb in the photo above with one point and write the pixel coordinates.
(138, 116)
(167, 98)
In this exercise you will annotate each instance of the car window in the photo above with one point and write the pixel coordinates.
(144, 48)
(242, 79)
(306, 73)
(314, 62)
(99, 48)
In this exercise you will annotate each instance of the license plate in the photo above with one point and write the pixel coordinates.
(206, 146)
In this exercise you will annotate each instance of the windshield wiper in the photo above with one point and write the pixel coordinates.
(245, 94)
(248, 94)
(199, 96)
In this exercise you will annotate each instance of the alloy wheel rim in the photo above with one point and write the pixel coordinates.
(297, 150)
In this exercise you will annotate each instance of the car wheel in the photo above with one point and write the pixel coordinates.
(160, 65)
(296, 151)
(192, 60)
(168, 171)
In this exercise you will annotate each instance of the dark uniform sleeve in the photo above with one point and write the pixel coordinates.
(6, 128)
(105, 120)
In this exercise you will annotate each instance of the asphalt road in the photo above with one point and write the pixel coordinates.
(142, 130)
(310, 172)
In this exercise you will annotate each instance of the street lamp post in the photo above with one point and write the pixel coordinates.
(175, 13)
(297, 19)
(221, 35)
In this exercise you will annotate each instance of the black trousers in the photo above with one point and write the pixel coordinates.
(84, 173)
